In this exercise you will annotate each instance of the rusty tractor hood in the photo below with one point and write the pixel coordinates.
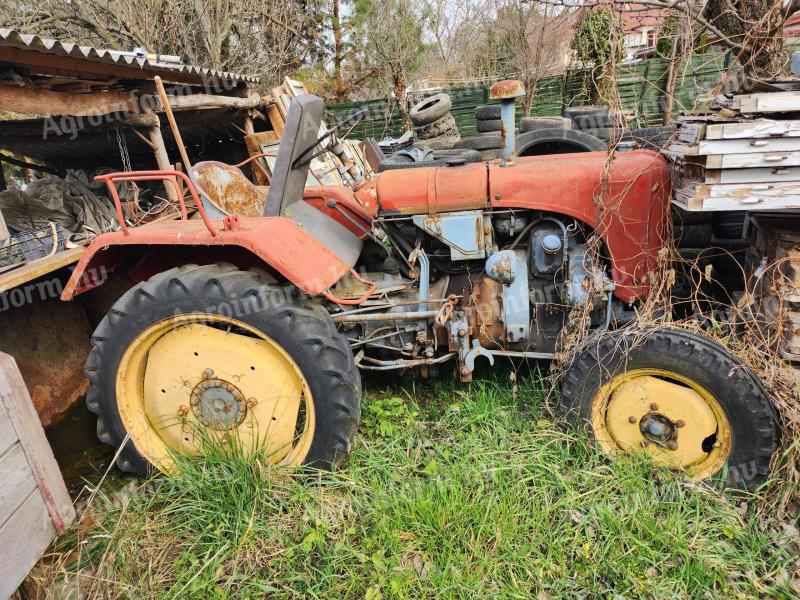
(551, 183)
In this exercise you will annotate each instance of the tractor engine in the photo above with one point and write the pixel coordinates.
(475, 283)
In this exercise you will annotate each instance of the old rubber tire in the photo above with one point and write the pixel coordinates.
(488, 125)
(482, 142)
(304, 331)
(651, 138)
(430, 109)
(587, 117)
(750, 414)
(532, 123)
(487, 112)
(557, 141)
(446, 126)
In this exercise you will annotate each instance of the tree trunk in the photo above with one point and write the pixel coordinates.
(338, 51)
(757, 26)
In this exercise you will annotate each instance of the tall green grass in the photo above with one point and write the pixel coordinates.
(450, 493)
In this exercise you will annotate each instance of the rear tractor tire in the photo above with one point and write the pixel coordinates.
(211, 352)
(678, 396)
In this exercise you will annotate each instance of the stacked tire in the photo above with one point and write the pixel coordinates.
(433, 123)
(593, 120)
(487, 119)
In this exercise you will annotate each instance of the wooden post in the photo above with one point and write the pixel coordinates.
(162, 159)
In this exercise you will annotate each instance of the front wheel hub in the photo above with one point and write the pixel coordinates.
(674, 419)
(657, 428)
(218, 404)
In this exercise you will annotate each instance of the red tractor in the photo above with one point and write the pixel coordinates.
(256, 324)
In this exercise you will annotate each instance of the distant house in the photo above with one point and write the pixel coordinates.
(642, 26)
(791, 29)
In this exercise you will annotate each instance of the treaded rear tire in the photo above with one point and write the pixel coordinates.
(748, 407)
(304, 330)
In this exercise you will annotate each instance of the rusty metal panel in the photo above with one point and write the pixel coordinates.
(279, 242)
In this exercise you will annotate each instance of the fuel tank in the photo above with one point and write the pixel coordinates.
(428, 190)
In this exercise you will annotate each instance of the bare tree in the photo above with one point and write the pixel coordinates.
(264, 38)
(393, 46)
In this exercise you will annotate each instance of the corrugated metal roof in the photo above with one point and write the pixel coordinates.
(14, 39)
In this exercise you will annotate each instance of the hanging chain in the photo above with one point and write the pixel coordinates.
(123, 149)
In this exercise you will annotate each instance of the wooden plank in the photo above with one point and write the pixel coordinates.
(742, 190)
(276, 119)
(18, 481)
(8, 436)
(44, 102)
(23, 537)
(758, 128)
(751, 203)
(745, 146)
(38, 268)
(753, 160)
(769, 102)
(691, 132)
(726, 176)
(14, 395)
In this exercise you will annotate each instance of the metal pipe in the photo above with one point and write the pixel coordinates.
(399, 316)
(389, 365)
(508, 152)
(523, 354)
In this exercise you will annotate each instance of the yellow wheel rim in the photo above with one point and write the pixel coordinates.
(670, 417)
(195, 377)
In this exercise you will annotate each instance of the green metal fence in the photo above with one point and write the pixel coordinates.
(640, 87)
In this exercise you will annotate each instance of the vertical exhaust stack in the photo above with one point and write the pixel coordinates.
(507, 92)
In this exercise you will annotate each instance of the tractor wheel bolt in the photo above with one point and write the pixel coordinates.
(680, 423)
(208, 373)
(631, 419)
(654, 406)
(465, 370)
(183, 410)
(673, 445)
(462, 332)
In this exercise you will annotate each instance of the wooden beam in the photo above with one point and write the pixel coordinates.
(201, 101)
(38, 127)
(162, 159)
(45, 102)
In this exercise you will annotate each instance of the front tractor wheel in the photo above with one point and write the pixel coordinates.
(211, 353)
(678, 396)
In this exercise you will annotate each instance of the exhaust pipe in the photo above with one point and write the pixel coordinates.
(507, 92)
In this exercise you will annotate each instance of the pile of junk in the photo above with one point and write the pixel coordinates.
(53, 213)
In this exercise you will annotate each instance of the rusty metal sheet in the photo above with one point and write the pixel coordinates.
(228, 190)
(278, 242)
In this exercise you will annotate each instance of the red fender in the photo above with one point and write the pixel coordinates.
(276, 241)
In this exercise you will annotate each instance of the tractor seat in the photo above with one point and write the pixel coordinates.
(225, 190)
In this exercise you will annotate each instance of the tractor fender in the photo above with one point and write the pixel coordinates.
(276, 242)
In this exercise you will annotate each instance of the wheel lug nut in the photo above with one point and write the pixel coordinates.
(679, 423)
(673, 445)
(183, 410)
(654, 406)
(631, 419)
(208, 373)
